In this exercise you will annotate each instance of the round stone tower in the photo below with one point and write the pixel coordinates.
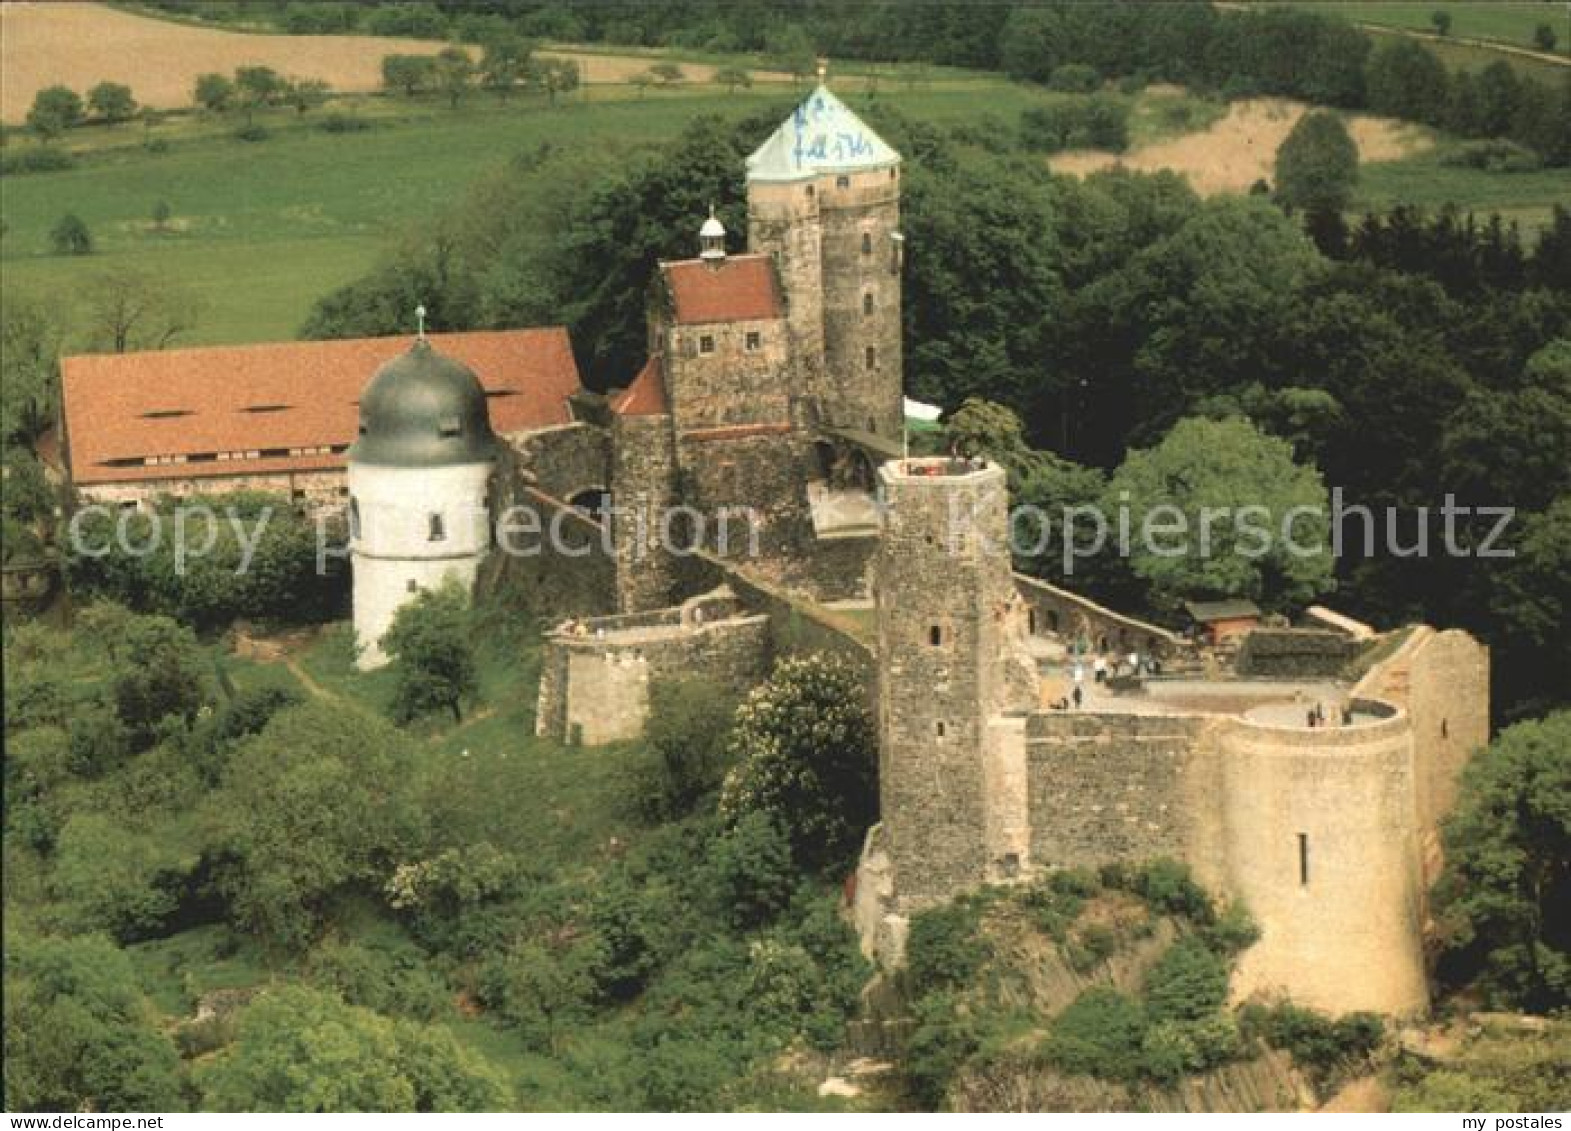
(419, 473)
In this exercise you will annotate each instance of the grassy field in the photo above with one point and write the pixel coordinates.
(1504, 21)
(259, 231)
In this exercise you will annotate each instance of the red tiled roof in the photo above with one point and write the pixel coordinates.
(737, 289)
(646, 395)
(281, 396)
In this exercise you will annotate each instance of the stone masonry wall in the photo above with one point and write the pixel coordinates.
(565, 460)
(643, 488)
(1292, 653)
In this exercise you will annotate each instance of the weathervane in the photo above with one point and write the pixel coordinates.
(420, 321)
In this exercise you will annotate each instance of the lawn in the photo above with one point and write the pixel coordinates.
(1421, 179)
(1503, 22)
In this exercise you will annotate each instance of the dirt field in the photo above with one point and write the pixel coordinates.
(81, 44)
(1241, 148)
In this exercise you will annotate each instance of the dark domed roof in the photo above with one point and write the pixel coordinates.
(423, 409)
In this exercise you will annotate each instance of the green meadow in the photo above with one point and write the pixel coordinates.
(258, 231)
(1503, 22)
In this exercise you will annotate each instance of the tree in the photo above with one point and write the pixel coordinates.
(112, 102)
(1406, 80)
(318, 806)
(433, 657)
(1219, 509)
(127, 308)
(79, 1034)
(30, 336)
(455, 73)
(1507, 879)
(1441, 20)
(642, 81)
(108, 878)
(1544, 37)
(213, 92)
(789, 48)
(733, 77)
(752, 870)
(504, 63)
(70, 236)
(55, 109)
(257, 88)
(301, 1050)
(553, 76)
(408, 73)
(161, 214)
(306, 94)
(157, 668)
(686, 738)
(1317, 164)
(803, 747)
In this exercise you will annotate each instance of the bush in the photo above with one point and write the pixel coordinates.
(1167, 888)
(942, 1040)
(339, 122)
(1094, 121)
(70, 236)
(689, 721)
(1074, 78)
(1187, 983)
(1319, 1044)
(751, 865)
(1101, 1033)
(35, 159)
(945, 948)
(1493, 155)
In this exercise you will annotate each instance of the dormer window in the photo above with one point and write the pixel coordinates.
(449, 426)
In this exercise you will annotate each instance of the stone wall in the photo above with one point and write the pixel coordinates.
(566, 569)
(643, 488)
(1106, 787)
(730, 385)
(595, 689)
(783, 222)
(1292, 653)
(317, 491)
(1078, 620)
(563, 461)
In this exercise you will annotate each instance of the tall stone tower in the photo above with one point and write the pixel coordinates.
(947, 635)
(823, 197)
(419, 474)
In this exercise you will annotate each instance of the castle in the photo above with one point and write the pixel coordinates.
(773, 386)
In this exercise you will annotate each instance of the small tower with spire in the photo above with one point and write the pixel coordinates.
(711, 240)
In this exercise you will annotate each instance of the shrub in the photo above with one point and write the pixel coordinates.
(1095, 121)
(944, 949)
(689, 721)
(1075, 78)
(1319, 1044)
(942, 1040)
(1494, 155)
(70, 236)
(1187, 983)
(1101, 1033)
(35, 159)
(1167, 888)
(1233, 931)
(338, 122)
(751, 865)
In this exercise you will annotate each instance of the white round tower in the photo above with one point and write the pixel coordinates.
(419, 474)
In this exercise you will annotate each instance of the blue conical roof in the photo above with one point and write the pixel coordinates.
(821, 136)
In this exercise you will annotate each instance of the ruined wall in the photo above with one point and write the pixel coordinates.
(1078, 620)
(1320, 845)
(596, 690)
(565, 460)
(1291, 653)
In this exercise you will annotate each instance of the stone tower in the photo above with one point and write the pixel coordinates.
(947, 633)
(419, 475)
(823, 197)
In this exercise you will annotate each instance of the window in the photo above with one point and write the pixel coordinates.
(867, 243)
(1031, 621)
(810, 192)
(872, 357)
(753, 341)
(412, 585)
(867, 304)
(935, 636)
(939, 729)
(438, 529)
(297, 495)
(1303, 859)
(343, 492)
(1445, 728)
(842, 182)
(354, 518)
(706, 344)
